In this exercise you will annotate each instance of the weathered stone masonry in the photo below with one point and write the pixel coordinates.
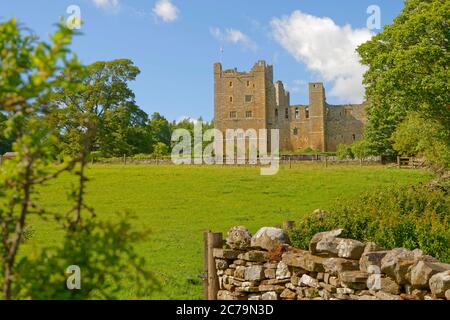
(265, 267)
(251, 100)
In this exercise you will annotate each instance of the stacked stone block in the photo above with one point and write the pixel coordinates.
(265, 267)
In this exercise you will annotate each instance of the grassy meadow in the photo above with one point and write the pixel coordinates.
(177, 203)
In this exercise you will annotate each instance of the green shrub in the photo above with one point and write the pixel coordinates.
(406, 216)
(344, 151)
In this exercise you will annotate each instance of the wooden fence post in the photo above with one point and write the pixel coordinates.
(398, 161)
(205, 264)
(214, 241)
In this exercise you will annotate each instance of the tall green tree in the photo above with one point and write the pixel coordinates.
(5, 143)
(408, 70)
(160, 130)
(108, 101)
(30, 72)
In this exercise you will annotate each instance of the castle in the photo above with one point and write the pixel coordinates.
(251, 100)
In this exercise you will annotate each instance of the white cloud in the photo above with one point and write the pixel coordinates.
(234, 36)
(166, 10)
(325, 48)
(110, 5)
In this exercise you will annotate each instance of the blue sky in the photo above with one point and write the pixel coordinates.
(175, 43)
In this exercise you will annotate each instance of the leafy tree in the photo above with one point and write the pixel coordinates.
(417, 136)
(109, 103)
(160, 129)
(344, 151)
(408, 71)
(5, 143)
(30, 72)
(160, 149)
(360, 149)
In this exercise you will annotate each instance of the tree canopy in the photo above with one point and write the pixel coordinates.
(408, 71)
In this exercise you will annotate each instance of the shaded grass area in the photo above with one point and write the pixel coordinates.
(177, 203)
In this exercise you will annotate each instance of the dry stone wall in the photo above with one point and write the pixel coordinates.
(265, 267)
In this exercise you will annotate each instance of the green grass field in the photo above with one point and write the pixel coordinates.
(178, 203)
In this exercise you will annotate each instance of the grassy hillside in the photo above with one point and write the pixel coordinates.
(177, 203)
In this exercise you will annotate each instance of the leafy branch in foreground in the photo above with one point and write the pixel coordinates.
(31, 72)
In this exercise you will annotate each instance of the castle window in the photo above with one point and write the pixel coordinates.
(233, 115)
(286, 113)
(231, 99)
(307, 112)
(297, 113)
(248, 83)
(276, 113)
(231, 83)
(354, 137)
(248, 98)
(248, 114)
(295, 131)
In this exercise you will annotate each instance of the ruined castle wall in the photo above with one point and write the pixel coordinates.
(345, 124)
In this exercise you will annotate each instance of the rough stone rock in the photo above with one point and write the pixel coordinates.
(247, 289)
(311, 293)
(447, 294)
(440, 283)
(226, 253)
(328, 287)
(275, 281)
(320, 276)
(282, 271)
(371, 261)
(402, 271)
(254, 255)
(388, 285)
(254, 273)
(239, 273)
(323, 235)
(334, 281)
(270, 265)
(295, 279)
(353, 276)
(326, 277)
(372, 247)
(354, 279)
(271, 295)
(345, 291)
(339, 247)
(396, 263)
(386, 296)
(304, 260)
(230, 272)
(334, 266)
(221, 264)
(270, 273)
(226, 295)
(422, 271)
(419, 294)
(270, 287)
(267, 238)
(377, 282)
(254, 297)
(308, 281)
(239, 238)
(288, 294)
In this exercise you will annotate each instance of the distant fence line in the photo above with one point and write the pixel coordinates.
(283, 159)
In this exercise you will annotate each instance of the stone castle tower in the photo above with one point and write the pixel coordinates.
(251, 100)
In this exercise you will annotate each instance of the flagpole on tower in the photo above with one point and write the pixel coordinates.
(221, 54)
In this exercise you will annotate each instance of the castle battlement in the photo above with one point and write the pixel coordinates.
(251, 100)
